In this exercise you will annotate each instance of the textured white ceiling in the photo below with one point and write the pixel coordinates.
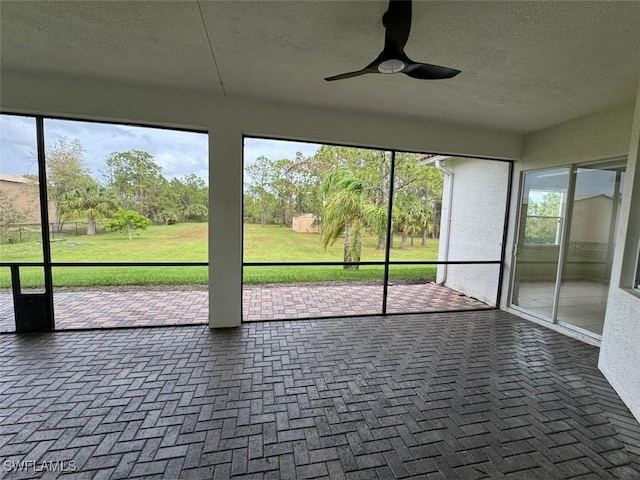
(525, 65)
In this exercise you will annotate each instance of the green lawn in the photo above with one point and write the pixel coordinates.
(188, 243)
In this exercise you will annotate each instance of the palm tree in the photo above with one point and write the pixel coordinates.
(420, 213)
(93, 201)
(410, 216)
(347, 212)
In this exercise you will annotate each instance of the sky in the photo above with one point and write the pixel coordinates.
(179, 153)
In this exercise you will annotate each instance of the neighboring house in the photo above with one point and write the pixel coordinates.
(24, 195)
(305, 223)
(592, 219)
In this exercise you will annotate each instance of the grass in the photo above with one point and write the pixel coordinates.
(366, 273)
(185, 242)
(188, 243)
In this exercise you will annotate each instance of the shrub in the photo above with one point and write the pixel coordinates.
(168, 217)
(196, 213)
(126, 221)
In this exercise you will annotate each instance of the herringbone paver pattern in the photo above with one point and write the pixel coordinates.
(446, 396)
(266, 302)
(143, 307)
(7, 320)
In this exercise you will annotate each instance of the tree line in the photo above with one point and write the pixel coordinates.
(348, 191)
(132, 193)
(543, 220)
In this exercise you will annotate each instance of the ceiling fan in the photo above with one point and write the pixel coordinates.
(397, 23)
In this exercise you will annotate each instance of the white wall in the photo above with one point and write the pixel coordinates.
(598, 136)
(226, 121)
(620, 349)
(602, 135)
(477, 225)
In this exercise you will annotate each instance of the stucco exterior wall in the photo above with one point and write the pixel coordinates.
(620, 349)
(476, 227)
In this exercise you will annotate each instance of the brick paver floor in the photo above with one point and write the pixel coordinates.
(130, 309)
(7, 321)
(311, 301)
(472, 395)
(135, 308)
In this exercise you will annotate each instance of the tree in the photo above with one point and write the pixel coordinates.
(127, 221)
(137, 180)
(168, 217)
(276, 190)
(347, 213)
(192, 190)
(410, 216)
(419, 188)
(283, 188)
(187, 197)
(196, 213)
(66, 172)
(10, 220)
(258, 177)
(289, 186)
(92, 201)
(543, 220)
(372, 168)
(251, 209)
(307, 185)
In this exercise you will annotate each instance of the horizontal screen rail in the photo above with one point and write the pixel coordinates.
(130, 264)
(258, 264)
(339, 264)
(552, 262)
(21, 264)
(105, 264)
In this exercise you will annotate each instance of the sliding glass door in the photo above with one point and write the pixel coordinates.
(565, 243)
(542, 220)
(589, 247)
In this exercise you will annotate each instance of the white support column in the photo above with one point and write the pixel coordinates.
(225, 226)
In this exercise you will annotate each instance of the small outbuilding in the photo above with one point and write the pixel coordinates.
(305, 223)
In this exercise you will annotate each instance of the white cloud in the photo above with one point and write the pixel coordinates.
(179, 153)
(275, 149)
(18, 145)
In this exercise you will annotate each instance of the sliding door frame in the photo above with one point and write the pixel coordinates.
(564, 239)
